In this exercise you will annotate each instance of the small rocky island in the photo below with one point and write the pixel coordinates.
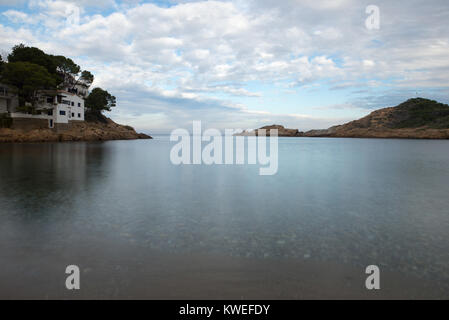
(282, 132)
(416, 118)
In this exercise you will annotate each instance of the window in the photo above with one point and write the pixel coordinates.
(79, 115)
(50, 112)
(49, 100)
(73, 115)
(73, 103)
(79, 104)
(62, 112)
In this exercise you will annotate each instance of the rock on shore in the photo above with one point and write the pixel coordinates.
(282, 132)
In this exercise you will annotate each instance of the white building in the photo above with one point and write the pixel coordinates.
(60, 106)
(54, 106)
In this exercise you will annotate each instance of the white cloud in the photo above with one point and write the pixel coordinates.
(11, 37)
(368, 63)
(16, 16)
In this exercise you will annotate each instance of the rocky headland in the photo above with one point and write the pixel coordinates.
(95, 128)
(416, 118)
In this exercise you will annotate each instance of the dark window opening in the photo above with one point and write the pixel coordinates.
(62, 113)
(79, 115)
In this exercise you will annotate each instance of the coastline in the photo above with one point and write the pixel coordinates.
(334, 132)
(416, 118)
(422, 133)
(78, 131)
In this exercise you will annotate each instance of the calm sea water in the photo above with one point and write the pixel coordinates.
(344, 201)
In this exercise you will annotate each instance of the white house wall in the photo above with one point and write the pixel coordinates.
(73, 112)
(61, 114)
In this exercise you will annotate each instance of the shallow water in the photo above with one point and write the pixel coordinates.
(351, 202)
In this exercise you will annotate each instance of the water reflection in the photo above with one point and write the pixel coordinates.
(41, 180)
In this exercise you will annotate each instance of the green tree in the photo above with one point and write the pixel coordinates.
(86, 78)
(21, 53)
(66, 69)
(63, 69)
(99, 100)
(27, 78)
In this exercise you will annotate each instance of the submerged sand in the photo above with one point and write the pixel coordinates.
(119, 273)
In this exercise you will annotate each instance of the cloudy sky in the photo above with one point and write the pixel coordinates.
(243, 63)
